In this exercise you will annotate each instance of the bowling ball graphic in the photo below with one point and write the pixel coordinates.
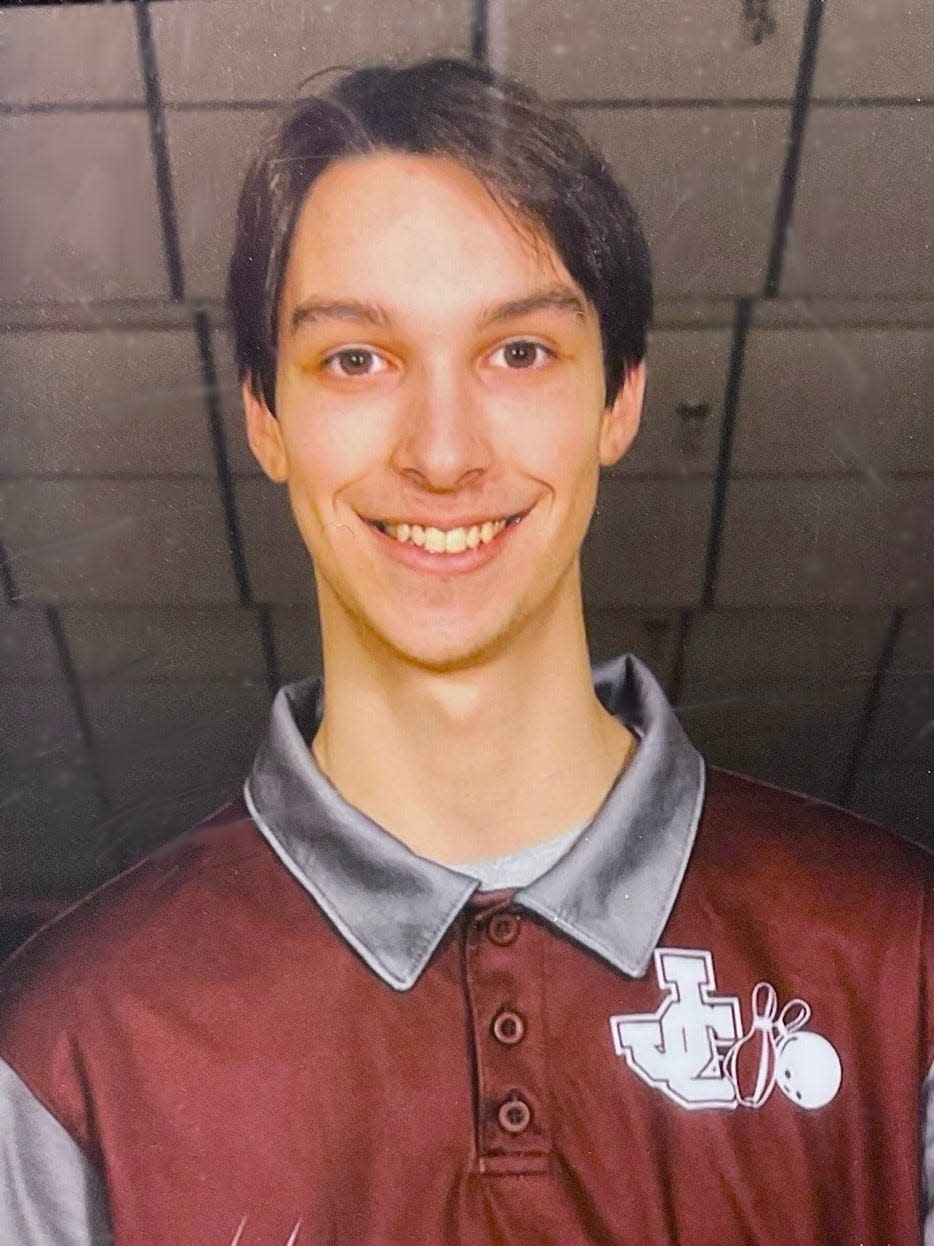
(807, 1069)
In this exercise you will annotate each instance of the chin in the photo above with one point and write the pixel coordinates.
(445, 659)
(462, 648)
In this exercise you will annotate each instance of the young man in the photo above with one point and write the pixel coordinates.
(486, 956)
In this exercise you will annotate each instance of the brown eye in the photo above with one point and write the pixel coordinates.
(354, 361)
(521, 354)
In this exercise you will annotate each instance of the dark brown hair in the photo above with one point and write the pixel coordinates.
(528, 154)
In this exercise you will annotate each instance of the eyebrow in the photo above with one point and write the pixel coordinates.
(554, 298)
(314, 310)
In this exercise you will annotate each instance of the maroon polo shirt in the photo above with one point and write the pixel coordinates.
(710, 1023)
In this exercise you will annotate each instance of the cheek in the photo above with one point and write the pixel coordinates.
(326, 453)
(558, 439)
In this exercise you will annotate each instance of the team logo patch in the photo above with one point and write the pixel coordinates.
(695, 1049)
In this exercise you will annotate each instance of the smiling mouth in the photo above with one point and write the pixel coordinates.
(450, 540)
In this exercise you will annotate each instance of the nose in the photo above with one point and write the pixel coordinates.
(443, 442)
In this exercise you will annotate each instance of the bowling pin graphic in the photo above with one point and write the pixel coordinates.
(778, 1050)
(750, 1062)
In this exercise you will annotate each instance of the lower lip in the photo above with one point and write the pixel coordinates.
(419, 559)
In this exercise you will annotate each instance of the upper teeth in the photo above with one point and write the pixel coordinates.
(453, 541)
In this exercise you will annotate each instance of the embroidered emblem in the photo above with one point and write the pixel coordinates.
(694, 1049)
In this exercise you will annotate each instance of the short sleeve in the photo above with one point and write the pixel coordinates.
(50, 1195)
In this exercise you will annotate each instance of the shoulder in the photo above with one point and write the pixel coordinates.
(782, 838)
(100, 979)
(840, 903)
(149, 924)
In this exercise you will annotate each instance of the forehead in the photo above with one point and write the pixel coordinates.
(415, 232)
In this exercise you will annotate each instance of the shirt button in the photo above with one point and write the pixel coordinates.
(503, 928)
(508, 1028)
(514, 1115)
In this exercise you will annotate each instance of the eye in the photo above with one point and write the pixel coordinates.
(354, 361)
(521, 354)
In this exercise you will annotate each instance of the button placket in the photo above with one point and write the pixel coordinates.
(505, 980)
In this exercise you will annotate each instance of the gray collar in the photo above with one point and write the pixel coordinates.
(612, 892)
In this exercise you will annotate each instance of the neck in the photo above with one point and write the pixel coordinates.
(473, 763)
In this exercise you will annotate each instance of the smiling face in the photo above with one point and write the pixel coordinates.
(437, 375)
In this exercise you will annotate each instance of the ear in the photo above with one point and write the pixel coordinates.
(620, 421)
(264, 434)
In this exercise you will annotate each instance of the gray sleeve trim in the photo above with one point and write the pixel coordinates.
(50, 1195)
(927, 1157)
